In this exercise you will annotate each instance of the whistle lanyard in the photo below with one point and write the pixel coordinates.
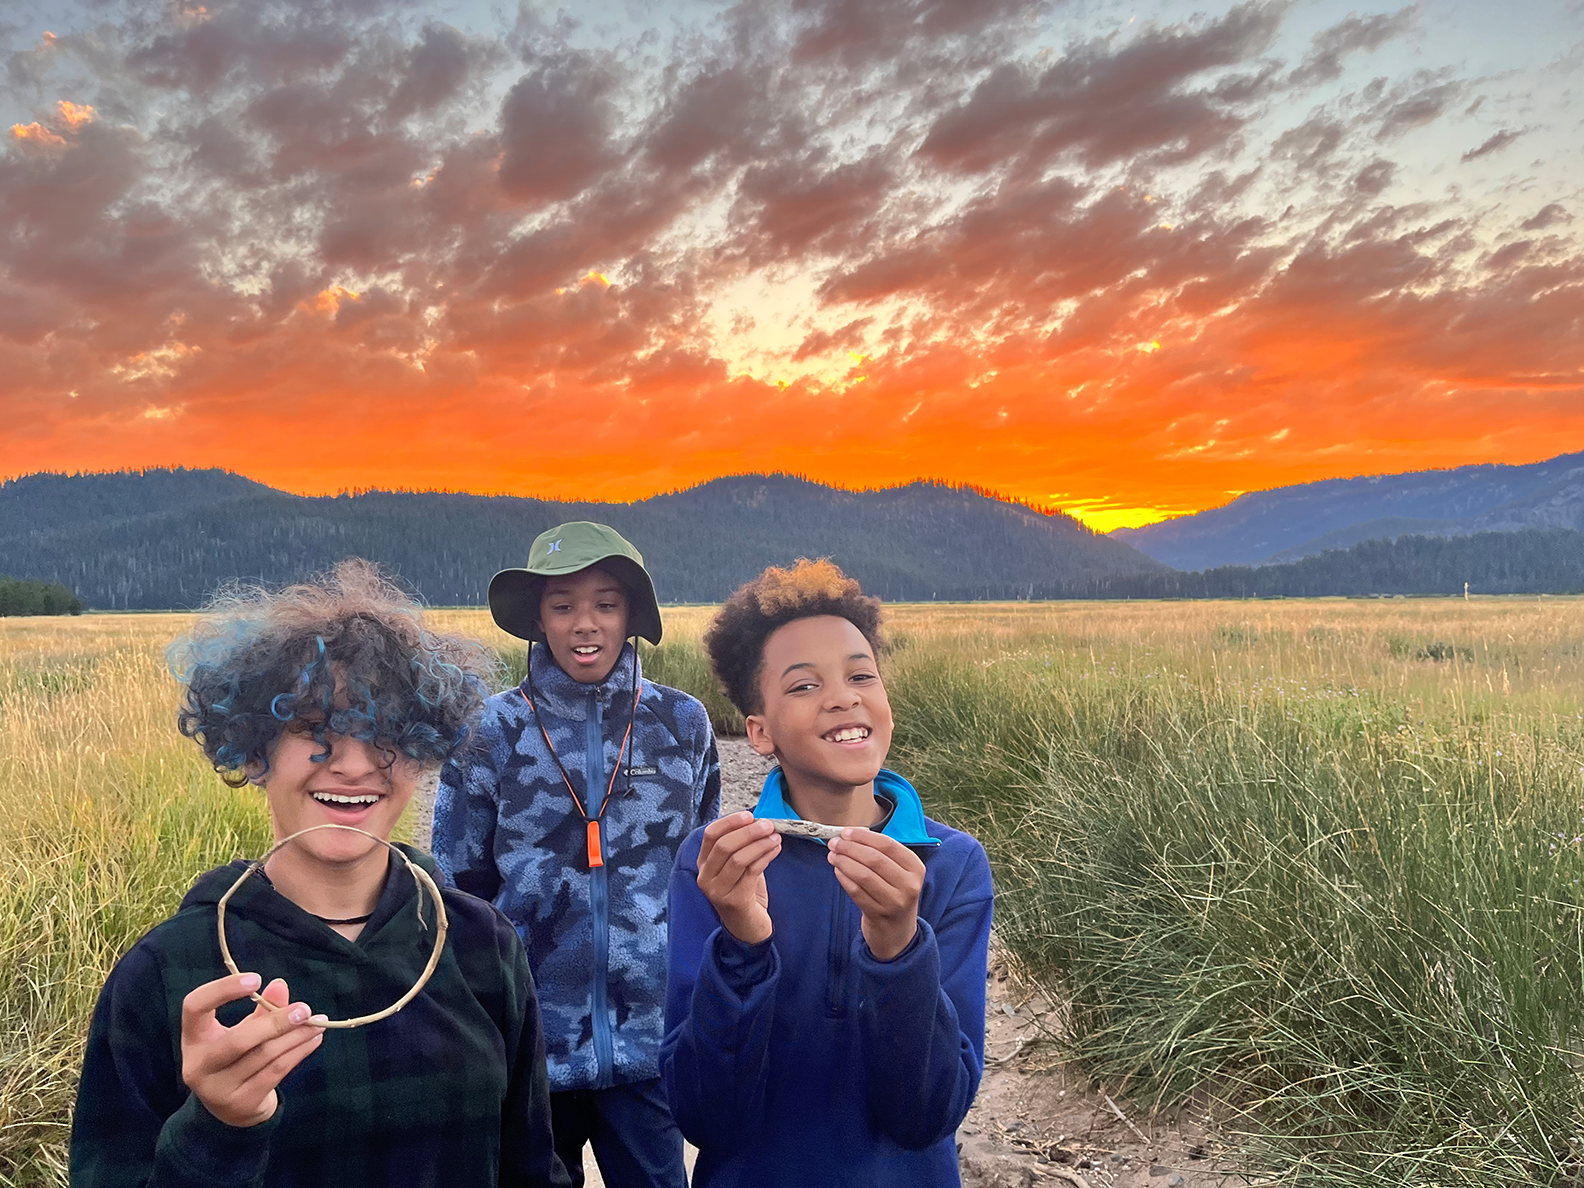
(596, 856)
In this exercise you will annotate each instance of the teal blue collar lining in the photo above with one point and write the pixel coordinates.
(907, 821)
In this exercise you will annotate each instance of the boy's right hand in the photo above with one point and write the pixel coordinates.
(233, 1071)
(732, 861)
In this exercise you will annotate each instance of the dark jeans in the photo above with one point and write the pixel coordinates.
(635, 1142)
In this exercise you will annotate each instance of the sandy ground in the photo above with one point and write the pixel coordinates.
(1034, 1122)
(1038, 1122)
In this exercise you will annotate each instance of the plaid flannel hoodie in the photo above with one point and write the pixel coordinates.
(506, 829)
(449, 1091)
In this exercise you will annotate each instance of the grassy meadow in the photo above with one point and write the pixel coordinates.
(1314, 865)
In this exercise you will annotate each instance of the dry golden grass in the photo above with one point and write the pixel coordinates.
(1523, 653)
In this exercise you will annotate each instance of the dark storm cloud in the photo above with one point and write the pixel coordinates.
(556, 129)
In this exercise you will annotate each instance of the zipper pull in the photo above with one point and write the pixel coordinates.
(595, 857)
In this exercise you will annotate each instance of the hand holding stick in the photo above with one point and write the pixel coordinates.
(233, 1071)
(884, 878)
(732, 861)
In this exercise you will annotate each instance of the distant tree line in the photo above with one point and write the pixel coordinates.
(21, 597)
(1532, 561)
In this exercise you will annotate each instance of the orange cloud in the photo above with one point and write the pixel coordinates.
(72, 117)
(36, 133)
(75, 115)
(329, 300)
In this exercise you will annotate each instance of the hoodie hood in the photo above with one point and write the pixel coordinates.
(395, 921)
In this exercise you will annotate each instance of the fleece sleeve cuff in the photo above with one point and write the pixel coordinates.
(208, 1151)
(916, 967)
(868, 957)
(742, 966)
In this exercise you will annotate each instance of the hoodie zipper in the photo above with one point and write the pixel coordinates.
(599, 895)
(836, 956)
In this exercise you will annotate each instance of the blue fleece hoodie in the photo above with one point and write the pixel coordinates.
(506, 830)
(805, 1059)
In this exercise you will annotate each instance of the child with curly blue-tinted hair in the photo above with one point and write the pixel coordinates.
(336, 700)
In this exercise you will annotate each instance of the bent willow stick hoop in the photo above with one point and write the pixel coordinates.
(420, 876)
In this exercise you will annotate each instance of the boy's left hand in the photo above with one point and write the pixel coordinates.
(884, 878)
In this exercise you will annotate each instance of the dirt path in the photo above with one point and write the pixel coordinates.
(1037, 1122)
(1033, 1122)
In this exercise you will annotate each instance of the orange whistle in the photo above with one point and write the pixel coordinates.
(595, 857)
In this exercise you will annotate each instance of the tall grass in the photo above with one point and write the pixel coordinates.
(107, 815)
(1337, 880)
(1367, 933)
(1323, 857)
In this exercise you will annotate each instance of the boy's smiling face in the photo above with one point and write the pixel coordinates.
(825, 713)
(584, 619)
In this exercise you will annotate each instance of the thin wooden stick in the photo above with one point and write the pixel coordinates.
(791, 827)
(1124, 1118)
(420, 876)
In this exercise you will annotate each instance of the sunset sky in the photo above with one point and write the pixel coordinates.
(1127, 259)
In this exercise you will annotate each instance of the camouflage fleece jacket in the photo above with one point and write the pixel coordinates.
(506, 829)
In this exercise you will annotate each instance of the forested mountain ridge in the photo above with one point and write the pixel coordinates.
(1526, 561)
(40, 502)
(1286, 523)
(167, 539)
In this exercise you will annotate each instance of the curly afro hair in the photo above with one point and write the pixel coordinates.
(736, 636)
(345, 654)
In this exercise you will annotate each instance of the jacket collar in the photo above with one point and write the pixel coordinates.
(558, 694)
(907, 821)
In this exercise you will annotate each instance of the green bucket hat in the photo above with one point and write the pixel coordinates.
(567, 548)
